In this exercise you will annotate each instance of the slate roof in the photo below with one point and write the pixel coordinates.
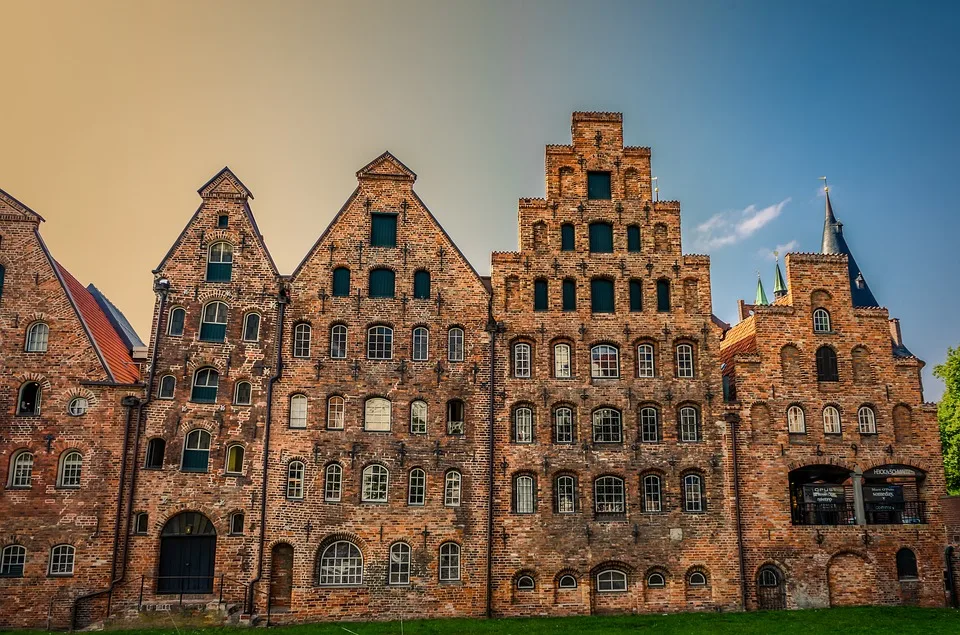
(834, 243)
(117, 319)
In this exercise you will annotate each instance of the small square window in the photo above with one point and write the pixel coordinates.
(222, 221)
(598, 185)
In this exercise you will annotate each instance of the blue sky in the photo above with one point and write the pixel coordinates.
(744, 104)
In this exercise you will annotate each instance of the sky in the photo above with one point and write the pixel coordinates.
(116, 112)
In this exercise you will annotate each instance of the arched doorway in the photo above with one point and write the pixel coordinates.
(188, 546)
(281, 576)
(771, 588)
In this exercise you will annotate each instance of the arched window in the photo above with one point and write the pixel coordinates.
(78, 406)
(154, 456)
(609, 496)
(567, 582)
(455, 344)
(796, 421)
(421, 344)
(456, 416)
(611, 581)
(301, 340)
(298, 411)
(569, 292)
(332, 483)
(61, 560)
(418, 417)
(341, 282)
(399, 564)
(251, 327)
(205, 383)
(567, 237)
(28, 402)
(697, 579)
(523, 425)
(521, 360)
(601, 238)
(907, 565)
(525, 583)
(645, 361)
(663, 296)
(452, 483)
(213, 324)
(21, 470)
(656, 581)
(242, 394)
(338, 341)
(562, 361)
(601, 295)
(178, 316)
(375, 482)
(565, 493)
(685, 361)
(769, 577)
(831, 420)
(524, 494)
(220, 262)
(236, 524)
(649, 425)
(449, 562)
(71, 466)
(607, 427)
(867, 419)
(382, 283)
(689, 424)
(421, 285)
(341, 564)
(604, 362)
(377, 414)
(540, 295)
(693, 493)
(821, 321)
(636, 296)
(38, 336)
(235, 459)
(633, 238)
(652, 494)
(12, 560)
(380, 342)
(563, 425)
(335, 412)
(196, 451)
(417, 487)
(295, 471)
(827, 364)
(168, 384)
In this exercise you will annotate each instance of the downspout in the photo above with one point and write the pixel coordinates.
(734, 420)
(492, 329)
(950, 577)
(282, 301)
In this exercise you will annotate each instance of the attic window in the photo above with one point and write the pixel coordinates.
(598, 185)
(222, 221)
(383, 230)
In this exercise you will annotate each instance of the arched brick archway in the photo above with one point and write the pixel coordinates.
(852, 580)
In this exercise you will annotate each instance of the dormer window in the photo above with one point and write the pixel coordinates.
(598, 185)
(383, 230)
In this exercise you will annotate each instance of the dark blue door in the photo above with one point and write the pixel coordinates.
(188, 547)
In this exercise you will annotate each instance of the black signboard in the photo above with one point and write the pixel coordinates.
(890, 470)
(883, 497)
(824, 494)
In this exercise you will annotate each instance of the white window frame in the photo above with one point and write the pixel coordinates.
(697, 579)
(609, 495)
(376, 484)
(867, 419)
(452, 488)
(796, 420)
(246, 321)
(338, 341)
(693, 493)
(689, 424)
(831, 420)
(524, 494)
(302, 334)
(341, 570)
(562, 361)
(523, 425)
(563, 421)
(377, 414)
(522, 356)
(173, 390)
(646, 364)
(685, 361)
(449, 566)
(603, 423)
(13, 557)
(456, 343)
(38, 338)
(660, 583)
(611, 581)
(421, 344)
(417, 487)
(296, 472)
(333, 483)
(78, 406)
(236, 393)
(821, 320)
(649, 425)
(183, 323)
(600, 364)
(418, 416)
(652, 493)
(298, 411)
(380, 342)
(399, 574)
(566, 493)
(62, 560)
(70, 469)
(336, 407)
(234, 447)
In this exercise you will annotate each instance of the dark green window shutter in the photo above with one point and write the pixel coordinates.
(3, 273)
(219, 271)
(382, 283)
(212, 332)
(633, 238)
(598, 185)
(341, 282)
(195, 460)
(663, 295)
(569, 295)
(601, 295)
(566, 238)
(540, 295)
(421, 285)
(383, 230)
(222, 221)
(601, 238)
(636, 295)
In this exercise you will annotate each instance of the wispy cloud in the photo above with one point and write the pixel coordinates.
(780, 249)
(728, 228)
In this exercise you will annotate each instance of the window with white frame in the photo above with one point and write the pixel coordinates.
(561, 361)
(235, 459)
(567, 582)
(563, 425)
(38, 336)
(338, 341)
(526, 583)
(341, 564)
(242, 393)
(206, 382)
(689, 424)
(295, 471)
(78, 406)
(335, 408)
(376, 414)
(417, 487)
(301, 340)
(566, 493)
(652, 502)
(649, 425)
(684, 361)
(523, 497)
(220, 262)
(692, 493)
(523, 425)
(611, 581)
(21, 469)
(380, 342)
(455, 344)
(796, 421)
(645, 364)
(251, 327)
(449, 562)
(607, 427)
(609, 496)
(604, 362)
(332, 483)
(168, 384)
(236, 523)
(399, 564)
(521, 360)
(298, 411)
(71, 466)
(61, 560)
(177, 318)
(867, 419)
(141, 523)
(12, 561)
(697, 579)
(418, 417)
(421, 344)
(656, 581)
(821, 321)
(213, 322)
(831, 420)
(196, 452)
(452, 483)
(375, 482)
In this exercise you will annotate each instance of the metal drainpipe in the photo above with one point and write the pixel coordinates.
(492, 329)
(736, 492)
(951, 579)
(282, 301)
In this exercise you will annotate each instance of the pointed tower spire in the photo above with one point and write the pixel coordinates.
(834, 243)
(779, 286)
(761, 295)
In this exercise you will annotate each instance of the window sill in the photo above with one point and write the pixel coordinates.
(11, 575)
(186, 471)
(59, 575)
(234, 474)
(66, 488)
(20, 487)
(152, 468)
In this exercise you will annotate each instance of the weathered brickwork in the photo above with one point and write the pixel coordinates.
(577, 434)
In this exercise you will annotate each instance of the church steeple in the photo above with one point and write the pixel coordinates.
(779, 286)
(834, 243)
(761, 295)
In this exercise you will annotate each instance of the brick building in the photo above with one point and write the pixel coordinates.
(384, 433)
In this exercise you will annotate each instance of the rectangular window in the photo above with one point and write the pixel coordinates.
(421, 344)
(692, 496)
(633, 238)
(685, 361)
(601, 238)
(418, 487)
(298, 411)
(61, 560)
(338, 342)
(295, 480)
(380, 342)
(377, 415)
(601, 295)
(663, 296)
(561, 361)
(222, 221)
(524, 503)
(455, 417)
(566, 495)
(455, 345)
(609, 495)
(598, 185)
(540, 295)
(418, 417)
(400, 564)
(332, 485)
(335, 413)
(521, 361)
(563, 425)
(651, 494)
(636, 296)
(566, 237)
(645, 360)
(523, 425)
(383, 230)
(569, 295)
(649, 426)
(14, 557)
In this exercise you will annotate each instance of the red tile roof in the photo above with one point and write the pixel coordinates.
(113, 351)
(742, 338)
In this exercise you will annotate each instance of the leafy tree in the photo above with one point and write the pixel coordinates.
(948, 412)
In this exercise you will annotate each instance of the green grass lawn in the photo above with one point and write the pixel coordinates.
(845, 621)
